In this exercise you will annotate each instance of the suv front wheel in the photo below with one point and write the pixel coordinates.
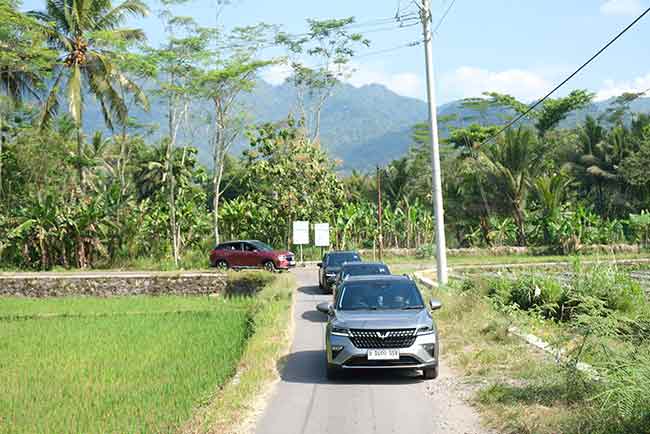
(430, 373)
(333, 372)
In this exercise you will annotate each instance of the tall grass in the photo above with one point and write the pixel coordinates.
(596, 314)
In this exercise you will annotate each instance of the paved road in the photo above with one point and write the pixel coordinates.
(363, 403)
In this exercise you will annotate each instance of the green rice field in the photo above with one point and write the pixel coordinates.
(127, 365)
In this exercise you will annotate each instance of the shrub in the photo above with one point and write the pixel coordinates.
(536, 291)
(562, 301)
(614, 287)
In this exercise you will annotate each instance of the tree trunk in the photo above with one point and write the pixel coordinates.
(317, 128)
(520, 220)
(80, 168)
(218, 161)
(216, 183)
(2, 142)
(170, 180)
(122, 165)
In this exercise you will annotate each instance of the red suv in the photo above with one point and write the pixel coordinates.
(250, 254)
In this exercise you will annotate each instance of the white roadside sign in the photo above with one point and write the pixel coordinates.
(300, 232)
(322, 234)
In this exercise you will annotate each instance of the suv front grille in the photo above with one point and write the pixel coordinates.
(394, 338)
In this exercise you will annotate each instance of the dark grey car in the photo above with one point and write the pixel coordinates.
(380, 323)
(349, 269)
(331, 265)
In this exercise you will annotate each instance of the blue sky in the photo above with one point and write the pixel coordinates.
(522, 47)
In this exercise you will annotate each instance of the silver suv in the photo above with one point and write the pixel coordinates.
(380, 322)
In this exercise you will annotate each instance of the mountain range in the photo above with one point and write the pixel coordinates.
(361, 126)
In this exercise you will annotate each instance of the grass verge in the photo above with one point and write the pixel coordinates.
(522, 390)
(517, 388)
(233, 404)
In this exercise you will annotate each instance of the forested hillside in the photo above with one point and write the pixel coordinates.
(356, 120)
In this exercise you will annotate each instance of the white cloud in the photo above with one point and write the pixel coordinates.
(615, 88)
(402, 83)
(276, 74)
(621, 7)
(468, 81)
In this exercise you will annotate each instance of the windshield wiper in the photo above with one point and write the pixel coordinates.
(361, 308)
(413, 307)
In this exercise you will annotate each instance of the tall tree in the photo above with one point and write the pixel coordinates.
(228, 76)
(550, 113)
(329, 44)
(281, 153)
(24, 62)
(82, 32)
(513, 163)
(177, 66)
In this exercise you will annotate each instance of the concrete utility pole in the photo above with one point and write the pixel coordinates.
(379, 216)
(441, 252)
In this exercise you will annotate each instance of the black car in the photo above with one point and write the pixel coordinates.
(349, 269)
(331, 265)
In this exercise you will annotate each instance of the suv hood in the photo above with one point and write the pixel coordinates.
(380, 319)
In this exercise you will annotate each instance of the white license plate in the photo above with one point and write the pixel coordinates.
(384, 354)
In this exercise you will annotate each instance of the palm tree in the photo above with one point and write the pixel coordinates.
(82, 31)
(595, 164)
(550, 192)
(513, 163)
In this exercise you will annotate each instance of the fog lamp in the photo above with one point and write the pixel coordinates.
(336, 349)
(429, 348)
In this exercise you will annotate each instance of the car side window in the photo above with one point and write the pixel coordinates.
(233, 247)
(246, 247)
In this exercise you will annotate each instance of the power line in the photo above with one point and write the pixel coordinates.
(373, 53)
(388, 50)
(406, 22)
(576, 72)
(442, 19)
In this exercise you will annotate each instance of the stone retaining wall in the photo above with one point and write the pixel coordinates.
(111, 284)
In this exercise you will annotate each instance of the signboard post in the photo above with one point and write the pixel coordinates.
(301, 235)
(322, 235)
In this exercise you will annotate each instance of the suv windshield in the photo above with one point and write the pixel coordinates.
(337, 259)
(371, 295)
(261, 246)
(365, 270)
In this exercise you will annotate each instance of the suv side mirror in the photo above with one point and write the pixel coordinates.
(320, 264)
(435, 304)
(325, 308)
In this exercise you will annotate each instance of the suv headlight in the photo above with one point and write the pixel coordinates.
(340, 331)
(282, 258)
(427, 330)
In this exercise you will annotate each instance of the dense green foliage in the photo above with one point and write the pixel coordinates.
(73, 198)
(555, 187)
